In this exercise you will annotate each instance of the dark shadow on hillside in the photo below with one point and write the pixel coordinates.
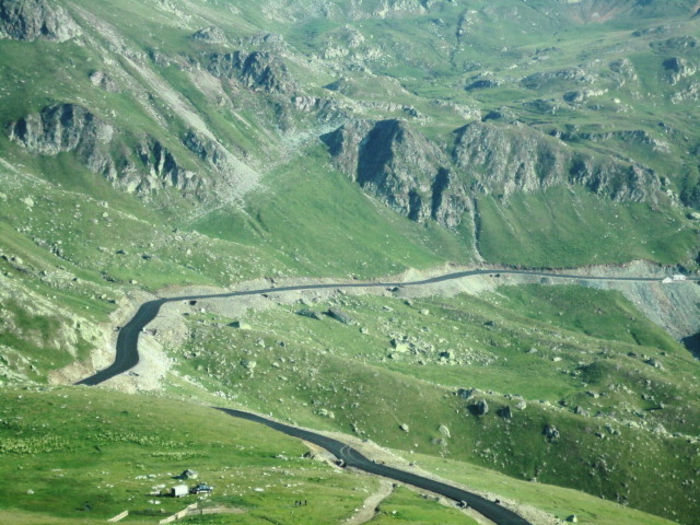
(692, 343)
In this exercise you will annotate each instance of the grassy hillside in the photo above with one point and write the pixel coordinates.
(556, 357)
(120, 449)
(190, 153)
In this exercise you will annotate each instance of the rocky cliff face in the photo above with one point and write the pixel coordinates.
(64, 128)
(71, 128)
(506, 159)
(30, 20)
(160, 169)
(256, 70)
(421, 180)
(677, 68)
(395, 164)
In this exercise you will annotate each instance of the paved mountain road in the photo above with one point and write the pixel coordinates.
(127, 357)
(127, 342)
(355, 459)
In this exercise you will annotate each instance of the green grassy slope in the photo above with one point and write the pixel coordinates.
(74, 250)
(118, 449)
(559, 502)
(556, 351)
(564, 228)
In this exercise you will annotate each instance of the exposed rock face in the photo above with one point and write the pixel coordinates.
(257, 70)
(71, 128)
(102, 80)
(481, 408)
(29, 20)
(675, 44)
(209, 151)
(541, 80)
(676, 69)
(619, 181)
(421, 180)
(505, 159)
(340, 316)
(396, 164)
(162, 168)
(399, 166)
(505, 412)
(63, 128)
(624, 71)
(551, 433)
(211, 35)
(631, 136)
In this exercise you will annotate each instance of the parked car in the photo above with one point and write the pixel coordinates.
(201, 488)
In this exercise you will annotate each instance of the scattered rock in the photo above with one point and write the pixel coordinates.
(211, 35)
(305, 312)
(551, 433)
(188, 474)
(445, 431)
(323, 412)
(481, 407)
(241, 325)
(404, 427)
(572, 518)
(248, 364)
(465, 393)
(102, 80)
(505, 412)
(400, 346)
(339, 316)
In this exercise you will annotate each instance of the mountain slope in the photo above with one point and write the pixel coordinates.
(151, 145)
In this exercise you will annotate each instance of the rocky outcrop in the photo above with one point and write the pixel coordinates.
(161, 167)
(208, 151)
(544, 80)
(691, 93)
(483, 81)
(676, 69)
(145, 169)
(257, 70)
(102, 80)
(614, 179)
(623, 71)
(393, 163)
(422, 181)
(505, 159)
(64, 128)
(30, 20)
(632, 136)
(675, 44)
(210, 35)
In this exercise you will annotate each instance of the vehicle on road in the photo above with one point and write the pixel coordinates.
(202, 488)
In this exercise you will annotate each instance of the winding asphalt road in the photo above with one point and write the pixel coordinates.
(127, 357)
(355, 459)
